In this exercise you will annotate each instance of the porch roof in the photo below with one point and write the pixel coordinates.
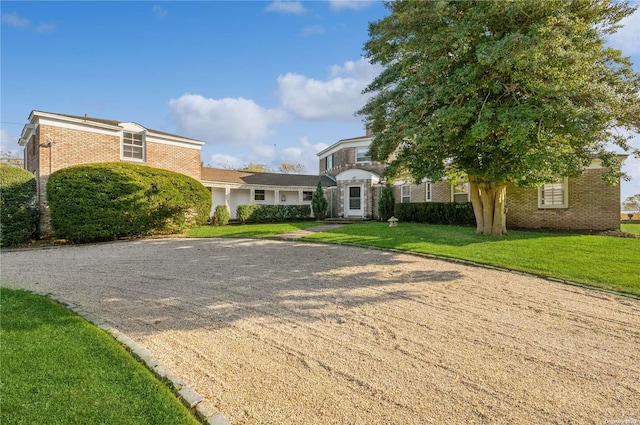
(263, 179)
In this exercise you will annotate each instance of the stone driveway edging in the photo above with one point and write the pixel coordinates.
(203, 409)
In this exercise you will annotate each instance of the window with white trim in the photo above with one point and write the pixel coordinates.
(460, 192)
(133, 146)
(362, 155)
(259, 195)
(429, 190)
(554, 195)
(307, 196)
(328, 162)
(405, 193)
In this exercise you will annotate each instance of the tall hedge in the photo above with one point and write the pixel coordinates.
(387, 203)
(105, 201)
(460, 213)
(272, 213)
(18, 205)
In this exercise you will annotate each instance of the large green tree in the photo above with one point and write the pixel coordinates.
(499, 92)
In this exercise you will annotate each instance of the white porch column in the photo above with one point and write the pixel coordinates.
(227, 197)
(300, 197)
(276, 196)
(252, 195)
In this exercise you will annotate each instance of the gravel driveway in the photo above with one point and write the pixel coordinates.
(283, 332)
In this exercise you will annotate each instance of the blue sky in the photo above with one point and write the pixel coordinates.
(259, 81)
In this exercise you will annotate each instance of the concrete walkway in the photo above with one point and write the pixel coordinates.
(305, 232)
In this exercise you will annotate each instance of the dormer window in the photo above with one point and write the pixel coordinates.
(133, 146)
(362, 155)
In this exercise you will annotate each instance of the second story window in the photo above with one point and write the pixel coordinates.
(328, 162)
(133, 145)
(362, 155)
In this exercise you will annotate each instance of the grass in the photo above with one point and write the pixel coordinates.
(630, 228)
(59, 369)
(250, 230)
(601, 261)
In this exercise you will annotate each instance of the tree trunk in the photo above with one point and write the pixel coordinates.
(488, 200)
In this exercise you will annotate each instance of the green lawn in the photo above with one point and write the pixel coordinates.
(630, 228)
(601, 261)
(250, 230)
(58, 369)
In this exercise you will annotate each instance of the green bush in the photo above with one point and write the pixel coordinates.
(105, 201)
(19, 211)
(319, 203)
(387, 203)
(460, 213)
(221, 216)
(272, 213)
(244, 212)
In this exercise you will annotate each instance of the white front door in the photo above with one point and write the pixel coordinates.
(353, 201)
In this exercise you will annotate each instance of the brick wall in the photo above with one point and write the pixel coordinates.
(175, 158)
(592, 205)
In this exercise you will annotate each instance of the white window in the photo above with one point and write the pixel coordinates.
(460, 192)
(133, 146)
(307, 196)
(259, 195)
(554, 195)
(328, 162)
(405, 193)
(429, 190)
(362, 155)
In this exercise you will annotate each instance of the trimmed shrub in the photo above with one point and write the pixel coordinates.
(105, 201)
(319, 203)
(19, 211)
(272, 213)
(387, 203)
(460, 213)
(221, 216)
(244, 212)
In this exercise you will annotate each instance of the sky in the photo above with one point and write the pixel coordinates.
(263, 82)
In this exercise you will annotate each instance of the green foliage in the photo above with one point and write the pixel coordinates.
(504, 91)
(97, 202)
(221, 216)
(59, 369)
(319, 203)
(272, 213)
(18, 205)
(457, 213)
(244, 212)
(387, 203)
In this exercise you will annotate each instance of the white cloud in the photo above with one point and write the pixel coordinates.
(338, 5)
(230, 162)
(7, 139)
(46, 28)
(14, 20)
(627, 38)
(159, 11)
(218, 121)
(304, 153)
(294, 7)
(312, 30)
(336, 98)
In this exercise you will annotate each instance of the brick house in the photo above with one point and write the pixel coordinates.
(55, 141)
(583, 203)
(351, 180)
